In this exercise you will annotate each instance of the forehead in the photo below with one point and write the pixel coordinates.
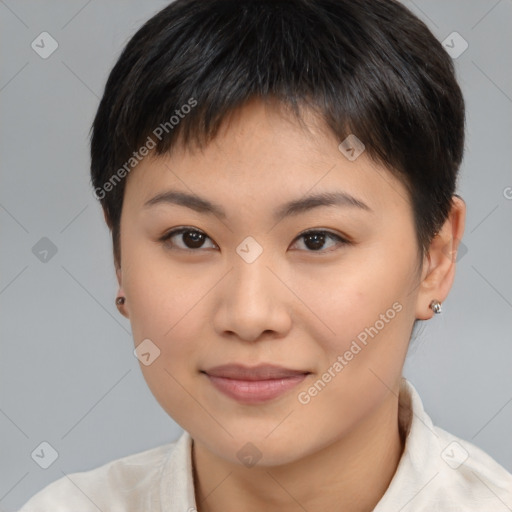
(262, 154)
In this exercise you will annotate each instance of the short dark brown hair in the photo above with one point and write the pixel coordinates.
(367, 67)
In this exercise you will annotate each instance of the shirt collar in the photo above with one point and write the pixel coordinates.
(417, 466)
(177, 480)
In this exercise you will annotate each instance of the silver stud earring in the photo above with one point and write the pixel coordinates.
(120, 301)
(435, 306)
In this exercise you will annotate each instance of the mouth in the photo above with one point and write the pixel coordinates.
(252, 385)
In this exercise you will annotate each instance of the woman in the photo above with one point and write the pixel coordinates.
(279, 179)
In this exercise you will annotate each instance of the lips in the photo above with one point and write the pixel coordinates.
(254, 385)
(260, 372)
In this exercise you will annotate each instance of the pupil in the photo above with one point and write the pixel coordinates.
(318, 237)
(194, 238)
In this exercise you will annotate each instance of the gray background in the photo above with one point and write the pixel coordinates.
(68, 374)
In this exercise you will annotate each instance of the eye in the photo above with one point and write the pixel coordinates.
(315, 240)
(193, 239)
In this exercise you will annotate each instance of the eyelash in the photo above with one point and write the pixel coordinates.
(165, 239)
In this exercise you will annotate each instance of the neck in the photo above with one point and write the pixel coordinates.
(351, 474)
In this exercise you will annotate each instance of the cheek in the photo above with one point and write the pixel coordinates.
(363, 334)
(362, 360)
(160, 293)
(165, 308)
(168, 316)
(345, 299)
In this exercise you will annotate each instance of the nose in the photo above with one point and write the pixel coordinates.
(254, 302)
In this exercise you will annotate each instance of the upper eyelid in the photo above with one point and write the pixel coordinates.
(184, 229)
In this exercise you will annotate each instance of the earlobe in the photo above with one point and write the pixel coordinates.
(439, 276)
(120, 303)
(121, 299)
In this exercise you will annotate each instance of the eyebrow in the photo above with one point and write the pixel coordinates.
(295, 207)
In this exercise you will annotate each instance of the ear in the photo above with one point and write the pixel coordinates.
(439, 264)
(122, 308)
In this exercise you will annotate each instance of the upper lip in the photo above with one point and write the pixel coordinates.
(260, 372)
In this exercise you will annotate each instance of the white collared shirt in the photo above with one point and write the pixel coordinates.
(438, 472)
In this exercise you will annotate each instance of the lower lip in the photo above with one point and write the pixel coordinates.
(255, 391)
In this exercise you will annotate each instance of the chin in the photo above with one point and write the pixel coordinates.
(254, 450)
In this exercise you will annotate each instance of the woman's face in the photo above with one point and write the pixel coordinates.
(251, 289)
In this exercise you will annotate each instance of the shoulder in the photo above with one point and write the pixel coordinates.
(440, 472)
(472, 475)
(129, 483)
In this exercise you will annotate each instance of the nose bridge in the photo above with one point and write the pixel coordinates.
(252, 281)
(252, 300)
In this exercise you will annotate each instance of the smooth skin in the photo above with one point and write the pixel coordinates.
(300, 304)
